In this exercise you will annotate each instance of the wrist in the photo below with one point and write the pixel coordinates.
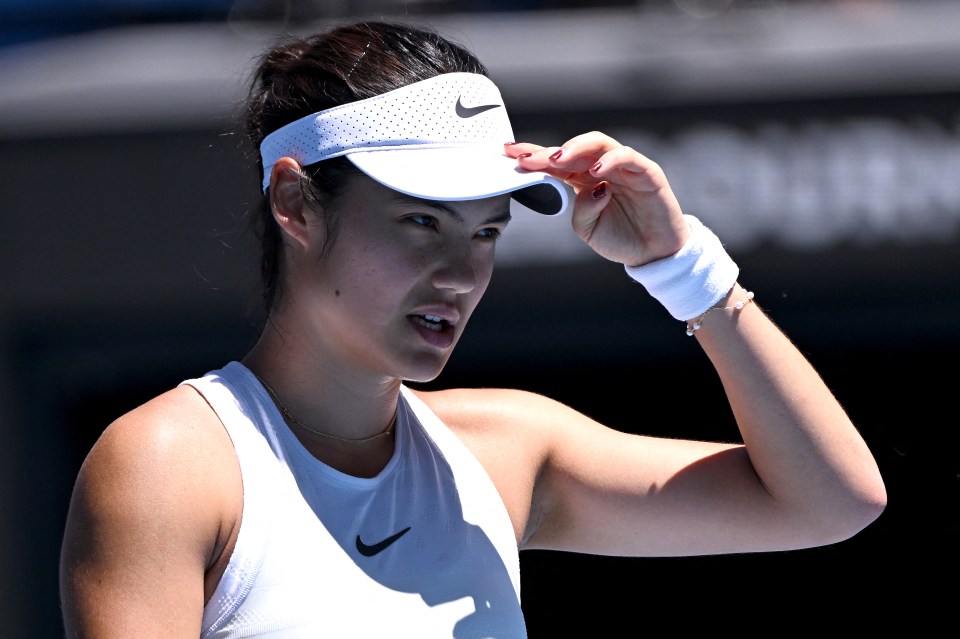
(734, 301)
(694, 279)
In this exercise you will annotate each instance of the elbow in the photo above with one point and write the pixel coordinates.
(865, 513)
(859, 503)
(858, 513)
(838, 512)
(872, 505)
(870, 500)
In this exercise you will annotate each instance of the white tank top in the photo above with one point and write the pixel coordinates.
(424, 549)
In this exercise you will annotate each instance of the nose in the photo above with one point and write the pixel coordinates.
(455, 271)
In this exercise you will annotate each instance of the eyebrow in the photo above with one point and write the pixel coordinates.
(501, 218)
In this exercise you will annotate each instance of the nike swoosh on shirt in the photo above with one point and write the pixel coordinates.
(373, 549)
(469, 112)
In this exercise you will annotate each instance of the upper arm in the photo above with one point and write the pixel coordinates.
(574, 484)
(148, 513)
(603, 491)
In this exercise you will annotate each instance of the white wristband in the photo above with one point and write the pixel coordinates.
(692, 280)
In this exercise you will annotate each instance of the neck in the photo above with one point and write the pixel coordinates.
(321, 396)
(318, 430)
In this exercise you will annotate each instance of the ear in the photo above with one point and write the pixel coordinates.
(286, 200)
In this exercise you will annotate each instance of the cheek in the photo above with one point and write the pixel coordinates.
(482, 264)
(371, 276)
(386, 262)
(485, 268)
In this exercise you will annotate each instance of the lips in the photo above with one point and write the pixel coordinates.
(436, 328)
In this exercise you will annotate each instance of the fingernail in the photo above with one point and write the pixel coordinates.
(599, 191)
(596, 167)
(524, 155)
(556, 155)
(509, 143)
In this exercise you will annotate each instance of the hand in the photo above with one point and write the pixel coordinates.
(624, 209)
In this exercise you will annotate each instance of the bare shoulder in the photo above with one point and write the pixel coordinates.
(165, 439)
(166, 467)
(150, 462)
(155, 503)
(508, 431)
(490, 410)
(526, 418)
(518, 436)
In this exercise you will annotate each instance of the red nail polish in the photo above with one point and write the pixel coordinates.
(599, 191)
(596, 167)
(556, 155)
(524, 155)
(509, 143)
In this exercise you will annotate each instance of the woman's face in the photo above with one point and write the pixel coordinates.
(395, 291)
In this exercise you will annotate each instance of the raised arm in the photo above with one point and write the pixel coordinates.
(803, 476)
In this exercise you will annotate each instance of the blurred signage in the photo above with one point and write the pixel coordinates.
(807, 185)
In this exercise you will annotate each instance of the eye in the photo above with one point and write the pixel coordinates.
(491, 233)
(423, 220)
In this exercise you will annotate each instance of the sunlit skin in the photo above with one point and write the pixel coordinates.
(394, 294)
(144, 548)
(388, 301)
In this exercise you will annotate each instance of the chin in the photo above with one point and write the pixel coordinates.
(422, 378)
(425, 371)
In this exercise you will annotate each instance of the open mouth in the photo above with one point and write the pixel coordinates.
(432, 322)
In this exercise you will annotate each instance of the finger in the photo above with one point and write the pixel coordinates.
(515, 149)
(560, 163)
(626, 167)
(532, 157)
(580, 153)
(588, 205)
(538, 159)
(588, 158)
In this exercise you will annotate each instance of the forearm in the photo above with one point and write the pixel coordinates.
(801, 443)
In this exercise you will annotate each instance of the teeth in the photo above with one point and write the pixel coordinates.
(432, 322)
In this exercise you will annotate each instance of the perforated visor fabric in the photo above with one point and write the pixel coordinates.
(440, 138)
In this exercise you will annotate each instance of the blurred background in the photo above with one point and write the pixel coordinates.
(819, 139)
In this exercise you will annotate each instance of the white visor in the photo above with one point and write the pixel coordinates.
(438, 139)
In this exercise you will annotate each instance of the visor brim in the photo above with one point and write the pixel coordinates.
(464, 173)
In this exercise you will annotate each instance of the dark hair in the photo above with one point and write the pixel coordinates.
(308, 74)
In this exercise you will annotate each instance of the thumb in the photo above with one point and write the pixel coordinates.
(588, 206)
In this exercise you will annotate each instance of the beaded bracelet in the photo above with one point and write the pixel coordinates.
(695, 326)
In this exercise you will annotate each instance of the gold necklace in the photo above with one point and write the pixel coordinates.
(286, 413)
